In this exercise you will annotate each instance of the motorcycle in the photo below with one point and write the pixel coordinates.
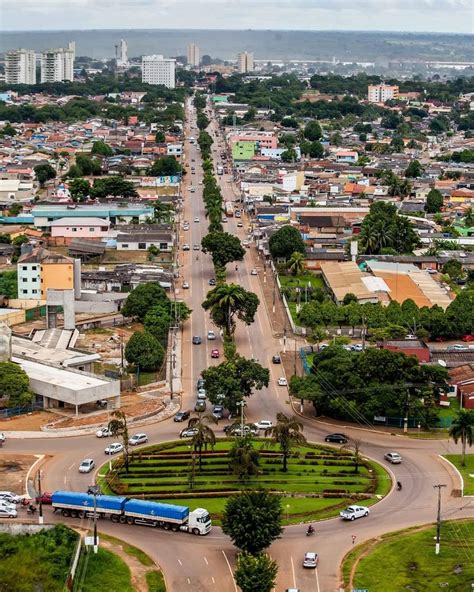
(31, 509)
(399, 486)
(310, 531)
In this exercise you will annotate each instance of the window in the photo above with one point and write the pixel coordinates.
(163, 246)
(34, 279)
(74, 229)
(24, 280)
(34, 291)
(91, 229)
(24, 291)
(142, 245)
(34, 267)
(124, 246)
(24, 268)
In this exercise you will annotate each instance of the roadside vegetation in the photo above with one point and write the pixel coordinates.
(406, 560)
(466, 470)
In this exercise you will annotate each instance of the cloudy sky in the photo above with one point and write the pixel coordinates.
(389, 15)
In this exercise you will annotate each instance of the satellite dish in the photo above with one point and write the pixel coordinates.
(442, 363)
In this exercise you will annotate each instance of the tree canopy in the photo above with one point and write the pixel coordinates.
(142, 298)
(14, 385)
(165, 166)
(144, 351)
(223, 247)
(229, 302)
(434, 201)
(285, 241)
(255, 573)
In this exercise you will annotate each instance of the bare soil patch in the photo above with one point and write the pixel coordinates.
(13, 470)
(29, 422)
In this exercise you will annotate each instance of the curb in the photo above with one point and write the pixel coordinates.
(458, 473)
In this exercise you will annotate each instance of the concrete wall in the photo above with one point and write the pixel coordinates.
(95, 306)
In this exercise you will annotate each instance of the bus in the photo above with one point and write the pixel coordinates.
(229, 209)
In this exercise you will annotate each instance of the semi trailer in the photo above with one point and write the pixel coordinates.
(132, 511)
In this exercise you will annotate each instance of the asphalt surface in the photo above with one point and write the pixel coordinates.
(205, 563)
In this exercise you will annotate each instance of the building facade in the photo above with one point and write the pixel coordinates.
(158, 70)
(20, 66)
(193, 55)
(122, 55)
(245, 62)
(57, 65)
(379, 93)
(41, 270)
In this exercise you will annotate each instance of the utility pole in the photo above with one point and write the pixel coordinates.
(438, 520)
(40, 513)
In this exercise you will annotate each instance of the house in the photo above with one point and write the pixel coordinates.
(410, 347)
(114, 213)
(462, 384)
(344, 278)
(144, 237)
(68, 228)
(16, 190)
(346, 156)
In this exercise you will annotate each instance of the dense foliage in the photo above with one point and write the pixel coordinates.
(286, 241)
(255, 573)
(384, 228)
(14, 385)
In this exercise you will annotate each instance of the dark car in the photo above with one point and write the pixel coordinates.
(200, 383)
(339, 438)
(182, 416)
(212, 282)
(45, 498)
(200, 406)
(197, 340)
(276, 359)
(218, 411)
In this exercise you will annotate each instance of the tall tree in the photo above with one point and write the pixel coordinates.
(414, 169)
(462, 429)
(44, 172)
(255, 573)
(118, 427)
(228, 302)
(252, 520)
(165, 166)
(285, 241)
(286, 433)
(243, 458)
(144, 351)
(142, 298)
(434, 201)
(224, 248)
(296, 263)
(204, 435)
(14, 385)
(313, 131)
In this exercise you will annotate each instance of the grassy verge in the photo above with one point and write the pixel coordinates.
(155, 581)
(467, 471)
(406, 560)
(320, 480)
(102, 570)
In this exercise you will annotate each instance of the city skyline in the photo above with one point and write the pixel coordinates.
(447, 16)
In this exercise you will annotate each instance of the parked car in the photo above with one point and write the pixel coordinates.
(264, 424)
(469, 337)
(357, 347)
(185, 286)
(393, 457)
(200, 405)
(457, 347)
(8, 505)
(196, 219)
(211, 335)
(10, 497)
(45, 498)
(212, 282)
(215, 353)
(6, 512)
(202, 394)
(3, 438)
(197, 340)
(186, 247)
(86, 465)
(276, 360)
(239, 225)
(254, 272)
(138, 439)
(103, 432)
(353, 512)
(282, 381)
(235, 429)
(218, 411)
(196, 247)
(200, 383)
(339, 438)
(182, 416)
(114, 448)
(410, 336)
(188, 432)
(310, 559)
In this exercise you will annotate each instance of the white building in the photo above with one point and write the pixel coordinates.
(158, 70)
(20, 66)
(379, 93)
(122, 56)
(245, 62)
(193, 55)
(29, 280)
(57, 65)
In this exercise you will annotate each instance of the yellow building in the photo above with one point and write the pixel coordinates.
(41, 270)
(57, 272)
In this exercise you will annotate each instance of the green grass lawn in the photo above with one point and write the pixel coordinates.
(407, 561)
(467, 472)
(319, 481)
(103, 571)
(303, 280)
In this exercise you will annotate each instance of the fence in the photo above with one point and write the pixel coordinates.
(12, 411)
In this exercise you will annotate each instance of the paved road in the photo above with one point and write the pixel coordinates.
(194, 563)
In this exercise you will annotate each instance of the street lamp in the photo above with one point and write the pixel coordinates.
(241, 404)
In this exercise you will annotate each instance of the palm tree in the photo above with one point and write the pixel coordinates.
(204, 435)
(462, 429)
(286, 433)
(296, 263)
(354, 445)
(243, 458)
(162, 211)
(227, 300)
(469, 218)
(118, 427)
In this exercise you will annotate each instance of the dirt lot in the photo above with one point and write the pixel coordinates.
(13, 470)
(28, 422)
(107, 342)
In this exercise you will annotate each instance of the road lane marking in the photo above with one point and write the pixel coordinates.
(70, 466)
(293, 571)
(213, 580)
(189, 581)
(317, 580)
(180, 562)
(230, 569)
(206, 561)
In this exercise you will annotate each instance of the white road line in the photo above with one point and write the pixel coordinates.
(230, 569)
(213, 580)
(317, 580)
(206, 561)
(293, 571)
(70, 466)
(180, 562)
(189, 581)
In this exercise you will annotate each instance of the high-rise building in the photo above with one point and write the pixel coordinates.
(20, 66)
(379, 93)
(158, 70)
(122, 56)
(193, 55)
(245, 62)
(57, 65)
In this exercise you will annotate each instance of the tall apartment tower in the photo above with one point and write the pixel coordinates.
(245, 62)
(379, 93)
(158, 70)
(122, 57)
(57, 65)
(20, 66)
(193, 55)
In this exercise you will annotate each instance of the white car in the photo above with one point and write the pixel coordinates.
(196, 219)
(138, 439)
(264, 424)
(282, 381)
(254, 272)
(240, 225)
(186, 247)
(201, 395)
(353, 512)
(8, 512)
(211, 335)
(86, 465)
(2, 438)
(103, 432)
(8, 505)
(224, 220)
(310, 560)
(196, 247)
(10, 497)
(393, 457)
(114, 448)
(185, 286)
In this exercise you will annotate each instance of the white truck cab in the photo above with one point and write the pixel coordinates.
(199, 522)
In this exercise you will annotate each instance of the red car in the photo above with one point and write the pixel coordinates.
(469, 337)
(215, 353)
(45, 498)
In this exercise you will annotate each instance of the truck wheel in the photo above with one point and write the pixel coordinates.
(166, 526)
(196, 531)
(73, 514)
(130, 521)
(114, 518)
(174, 528)
(65, 513)
(123, 519)
(81, 514)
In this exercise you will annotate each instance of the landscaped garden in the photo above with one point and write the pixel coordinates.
(319, 481)
(467, 471)
(406, 560)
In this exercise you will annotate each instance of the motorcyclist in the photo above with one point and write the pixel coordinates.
(399, 485)
(236, 268)
(310, 529)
